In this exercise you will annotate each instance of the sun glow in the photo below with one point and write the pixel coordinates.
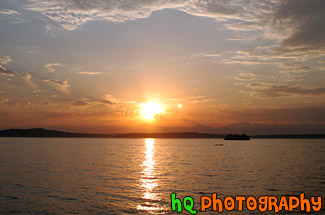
(150, 110)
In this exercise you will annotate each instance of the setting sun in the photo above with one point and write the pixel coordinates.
(155, 107)
(150, 110)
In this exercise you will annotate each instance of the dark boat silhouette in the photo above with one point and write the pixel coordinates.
(237, 137)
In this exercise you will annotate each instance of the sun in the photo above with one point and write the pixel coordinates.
(150, 110)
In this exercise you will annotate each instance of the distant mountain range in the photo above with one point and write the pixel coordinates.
(40, 132)
(242, 127)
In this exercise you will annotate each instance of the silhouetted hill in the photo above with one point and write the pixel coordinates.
(242, 127)
(40, 132)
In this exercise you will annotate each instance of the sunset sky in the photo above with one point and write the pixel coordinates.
(79, 65)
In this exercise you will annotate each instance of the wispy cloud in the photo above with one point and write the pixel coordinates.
(199, 99)
(79, 103)
(244, 62)
(245, 76)
(111, 99)
(89, 73)
(305, 21)
(8, 12)
(5, 59)
(294, 68)
(71, 14)
(268, 91)
(84, 102)
(244, 26)
(49, 66)
(58, 83)
(11, 16)
(4, 71)
(296, 25)
(212, 55)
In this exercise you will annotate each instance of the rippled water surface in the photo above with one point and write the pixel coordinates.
(137, 176)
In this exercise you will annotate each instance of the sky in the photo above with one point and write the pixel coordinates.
(91, 65)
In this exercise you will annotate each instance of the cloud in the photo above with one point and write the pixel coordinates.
(293, 60)
(11, 16)
(111, 99)
(61, 86)
(297, 23)
(268, 91)
(70, 14)
(212, 55)
(49, 66)
(8, 12)
(199, 99)
(293, 68)
(89, 73)
(79, 103)
(5, 59)
(245, 76)
(26, 76)
(244, 62)
(58, 83)
(244, 26)
(6, 72)
(105, 102)
(86, 102)
(305, 21)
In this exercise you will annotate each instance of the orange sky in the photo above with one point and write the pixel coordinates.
(89, 67)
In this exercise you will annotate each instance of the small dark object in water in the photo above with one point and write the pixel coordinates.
(237, 137)
(218, 144)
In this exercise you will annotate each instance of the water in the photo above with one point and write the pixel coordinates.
(137, 176)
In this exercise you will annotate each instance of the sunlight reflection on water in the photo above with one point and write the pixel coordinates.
(148, 180)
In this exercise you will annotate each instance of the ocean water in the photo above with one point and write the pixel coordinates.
(137, 176)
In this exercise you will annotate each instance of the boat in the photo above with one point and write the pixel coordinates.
(237, 137)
